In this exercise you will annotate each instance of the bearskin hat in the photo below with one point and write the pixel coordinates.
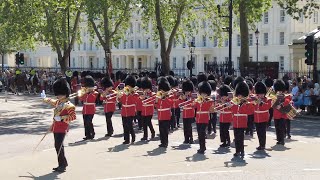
(213, 84)
(171, 73)
(119, 75)
(204, 88)
(228, 80)
(176, 82)
(106, 82)
(138, 84)
(130, 81)
(202, 77)
(163, 85)
(153, 75)
(171, 80)
(194, 81)
(146, 83)
(268, 82)
(260, 88)
(162, 78)
(88, 81)
(224, 90)
(236, 81)
(242, 88)
(279, 85)
(187, 85)
(287, 85)
(211, 77)
(250, 79)
(61, 87)
(250, 85)
(75, 74)
(84, 74)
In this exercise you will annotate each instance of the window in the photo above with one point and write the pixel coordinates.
(265, 58)
(183, 62)
(193, 40)
(131, 44)
(250, 39)
(265, 39)
(266, 17)
(131, 28)
(90, 47)
(300, 17)
(73, 62)
(204, 40)
(238, 40)
(156, 45)
(139, 27)
(226, 42)
(139, 63)
(174, 43)
(281, 62)
(282, 16)
(98, 63)
(84, 46)
(174, 63)
(215, 42)
(250, 59)
(226, 59)
(204, 23)
(124, 45)
(238, 61)
(214, 59)
(281, 38)
(147, 44)
(184, 44)
(78, 47)
(91, 62)
(139, 43)
(315, 17)
(118, 63)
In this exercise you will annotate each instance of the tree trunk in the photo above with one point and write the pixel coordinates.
(165, 65)
(244, 33)
(63, 61)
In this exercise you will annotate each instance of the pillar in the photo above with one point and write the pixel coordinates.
(135, 63)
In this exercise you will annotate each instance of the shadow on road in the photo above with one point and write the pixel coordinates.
(156, 152)
(279, 148)
(222, 150)
(196, 157)
(235, 162)
(118, 148)
(181, 147)
(51, 175)
(259, 155)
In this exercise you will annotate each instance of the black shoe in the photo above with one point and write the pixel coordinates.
(140, 129)
(126, 142)
(289, 137)
(191, 141)
(242, 154)
(153, 135)
(228, 144)
(281, 143)
(200, 151)
(260, 148)
(209, 132)
(185, 142)
(59, 169)
(223, 145)
(133, 139)
(163, 145)
(85, 138)
(247, 133)
(144, 139)
(55, 169)
(236, 154)
(251, 134)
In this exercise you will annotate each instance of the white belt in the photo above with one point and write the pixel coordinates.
(225, 112)
(147, 105)
(89, 103)
(166, 109)
(202, 112)
(267, 111)
(130, 105)
(186, 108)
(239, 115)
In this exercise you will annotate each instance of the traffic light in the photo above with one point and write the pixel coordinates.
(17, 58)
(21, 59)
(190, 64)
(309, 49)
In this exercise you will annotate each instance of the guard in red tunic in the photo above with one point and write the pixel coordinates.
(128, 100)
(249, 130)
(261, 113)
(64, 113)
(213, 115)
(148, 99)
(286, 118)
(279, 118)
(240, 109)
(188, 112)
(226, 115)
(174, 98)
(139, 106)
(108, 97)
(269, 83)
(176, 102)
(163, 105)
(88, 95)
(203, 104)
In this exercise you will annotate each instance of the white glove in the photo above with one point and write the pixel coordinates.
(57, 118)
(43, 94)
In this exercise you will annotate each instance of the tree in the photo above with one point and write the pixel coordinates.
(108, 19)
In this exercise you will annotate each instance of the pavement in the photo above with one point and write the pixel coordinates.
(25, 119)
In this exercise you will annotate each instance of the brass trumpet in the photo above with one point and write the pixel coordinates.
(82, 91)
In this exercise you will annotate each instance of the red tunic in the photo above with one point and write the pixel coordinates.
(148, 106)
(188, 111)
(139, 105)
(289, 98)
(261, 112)
(226, 116)
(89, 102)
(176, 100)
(203, 114)
(164, 109)
(74, 84)
(240, 115)
(109, 103)
(277, 114)
(129, 104)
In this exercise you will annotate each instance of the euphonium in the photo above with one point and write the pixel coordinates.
(200, 99)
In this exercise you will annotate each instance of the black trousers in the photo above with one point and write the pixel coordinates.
(239, 139)
(109, 122)
(201, 129)
(88, 126)
(58, 144)
(177, 113)
(187, 129)
(173, 119)
(224, 132)
(287, 130)
(212, 123)
(128, 128)
(146, 122)
(138, 118)
(164, 131)
(249, 129)
(280, 129)
(261, 132)
(270, 115)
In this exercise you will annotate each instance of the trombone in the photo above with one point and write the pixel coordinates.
(82, 91)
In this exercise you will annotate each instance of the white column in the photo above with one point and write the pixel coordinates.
(127, 62)
(135, 61)
(148, 61)
(200, 61)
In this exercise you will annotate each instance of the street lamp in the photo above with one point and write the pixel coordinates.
(257, 33)
(190, 63)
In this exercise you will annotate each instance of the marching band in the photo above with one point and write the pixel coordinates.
(241, 102)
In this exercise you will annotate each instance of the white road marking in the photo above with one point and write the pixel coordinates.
(311, 169)
(48, 149)
(177, 174)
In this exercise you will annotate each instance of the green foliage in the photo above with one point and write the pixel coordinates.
(295, 7)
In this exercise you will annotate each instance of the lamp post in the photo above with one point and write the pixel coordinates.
(69, 31)
(257, 33)
(190, 63)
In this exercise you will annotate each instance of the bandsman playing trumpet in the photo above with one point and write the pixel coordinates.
(88, 95)
(108, 97)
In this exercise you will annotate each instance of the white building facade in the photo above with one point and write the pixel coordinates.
(139, 51)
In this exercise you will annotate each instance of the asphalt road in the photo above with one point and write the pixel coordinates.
(24, 120)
